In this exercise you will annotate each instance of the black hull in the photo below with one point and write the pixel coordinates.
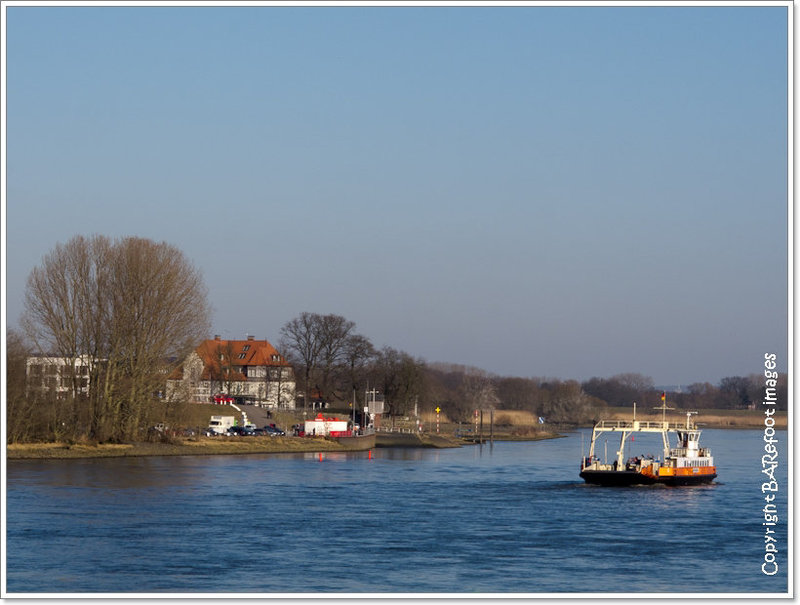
(628, 478)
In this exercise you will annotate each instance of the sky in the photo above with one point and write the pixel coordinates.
(537, 191)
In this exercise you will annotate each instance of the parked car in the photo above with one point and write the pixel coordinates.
(222, 398)
(274, 431)
(240, 431)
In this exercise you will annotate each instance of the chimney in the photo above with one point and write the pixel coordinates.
(216, 336)
(251, 337)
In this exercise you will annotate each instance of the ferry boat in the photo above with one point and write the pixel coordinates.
(685, 464)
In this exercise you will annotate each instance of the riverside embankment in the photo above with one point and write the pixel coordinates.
(209, 446)
(200, 446)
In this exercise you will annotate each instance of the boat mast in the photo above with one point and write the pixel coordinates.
(592, 440)
(664, 424)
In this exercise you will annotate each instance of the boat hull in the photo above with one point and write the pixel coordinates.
(628, 478)
(357, 442)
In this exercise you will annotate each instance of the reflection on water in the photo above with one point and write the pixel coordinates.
(512, 517)
(408, 454)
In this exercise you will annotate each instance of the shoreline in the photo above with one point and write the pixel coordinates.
(202, 446)
(213, 446)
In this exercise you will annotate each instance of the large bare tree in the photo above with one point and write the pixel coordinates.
(300, 341)
(333, 334)
(358, 352)
(318, 346)
(132, 307)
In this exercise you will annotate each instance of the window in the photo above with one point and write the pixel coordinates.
(246, 348)
(241, 355)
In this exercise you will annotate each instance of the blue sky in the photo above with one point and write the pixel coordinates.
(538, 191)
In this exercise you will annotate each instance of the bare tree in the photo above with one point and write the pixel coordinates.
(20, 408)
(479, 391)
(66, 315)
(134, 307)
(300, 341)
(160, 312)
(565, 401)
(402, 379)
(358, 351)
(333, 332)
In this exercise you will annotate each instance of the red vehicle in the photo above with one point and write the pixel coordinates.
(222, 398)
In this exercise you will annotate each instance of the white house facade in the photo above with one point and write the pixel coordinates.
(249, 371)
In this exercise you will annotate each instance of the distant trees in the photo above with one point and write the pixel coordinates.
(401, 378)
(622, 389)
(331, 356)
(732, 392)
(131, 309)
(737, 392)
(478, 391)
(566, 402)
(460, 390)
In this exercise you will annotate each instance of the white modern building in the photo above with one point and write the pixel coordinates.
(61, 376)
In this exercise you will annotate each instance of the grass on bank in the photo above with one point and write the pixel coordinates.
(176, 447)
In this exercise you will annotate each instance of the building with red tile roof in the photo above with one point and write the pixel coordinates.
(250, 371)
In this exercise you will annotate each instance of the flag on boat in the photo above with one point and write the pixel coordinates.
(663, 396)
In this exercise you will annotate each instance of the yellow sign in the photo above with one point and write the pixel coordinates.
(437, 409)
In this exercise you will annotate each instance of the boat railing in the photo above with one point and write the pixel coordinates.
(598, 466)
(683, 452)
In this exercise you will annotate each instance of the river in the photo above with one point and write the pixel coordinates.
(504, 519)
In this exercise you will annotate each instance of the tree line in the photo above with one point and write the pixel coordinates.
(130, 310)
(332, 360)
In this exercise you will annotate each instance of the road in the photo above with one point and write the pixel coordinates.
(256, 415)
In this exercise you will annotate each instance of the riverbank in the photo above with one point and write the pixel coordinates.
(209, 446)
(201, 446)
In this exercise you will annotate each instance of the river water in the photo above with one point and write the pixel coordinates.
(510, 518)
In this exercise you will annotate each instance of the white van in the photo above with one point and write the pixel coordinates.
(221, 424)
